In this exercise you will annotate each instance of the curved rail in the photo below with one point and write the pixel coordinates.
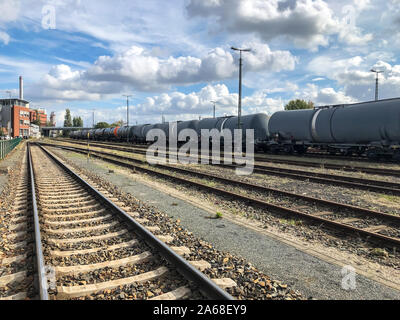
(209, 288)
(324, 178)
(342, 226)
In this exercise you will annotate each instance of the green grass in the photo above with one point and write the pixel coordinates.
(291, 222)
(391, 198)
(218, 215)
(379, 252)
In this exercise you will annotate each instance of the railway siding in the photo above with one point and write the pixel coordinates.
(302, 271)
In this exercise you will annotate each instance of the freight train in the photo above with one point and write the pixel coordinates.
(368, 128)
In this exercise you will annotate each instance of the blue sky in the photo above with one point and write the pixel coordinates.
(174, 57)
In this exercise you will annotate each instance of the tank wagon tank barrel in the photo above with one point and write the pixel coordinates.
(371, 127)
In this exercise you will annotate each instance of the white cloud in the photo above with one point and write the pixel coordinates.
(9, 10)
(4, 37)
(356, 79)
(137, 69)
(307, 23)
(178, 106)
(326, 96)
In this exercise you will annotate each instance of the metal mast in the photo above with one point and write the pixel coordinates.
(376, 83)
(213, 107)
(240, 83)
(127, 114)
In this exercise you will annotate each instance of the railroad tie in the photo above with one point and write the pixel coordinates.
(78, 221)
(4, 280)
(88, 239)
(122, 245)
(19, 220)
(16, 235)
(19, 226)
(181, 250)
(349, 220)
(166, 239)
(96, 205)
(18, 245)
(73, 215)
(75, 203)
(200, 264)
(177, 294)
(76, 269)
(153, 229)
(225, 283)
(18, 296)
(15, 259)
(74, 230)
(83, 290)
(375, 228)
(142, 220)
(321, 213)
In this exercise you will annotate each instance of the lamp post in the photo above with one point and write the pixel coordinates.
(240, 83)
(127, 115)
(376, 82)
(214, 102)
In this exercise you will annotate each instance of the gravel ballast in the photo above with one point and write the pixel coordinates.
(311, 276)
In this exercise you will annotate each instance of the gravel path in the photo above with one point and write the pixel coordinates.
(8, 163)
(311, 276)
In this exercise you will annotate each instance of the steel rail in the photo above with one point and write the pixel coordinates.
(350, 167)
(330, 179)
(344, 227)
(253, 186)
(42, 278)
(209, 288)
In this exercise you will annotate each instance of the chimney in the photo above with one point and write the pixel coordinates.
(21, 88)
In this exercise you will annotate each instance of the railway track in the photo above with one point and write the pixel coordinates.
(330, 179)
(309, 155)
(88, 247)
(17, 274)
(356, 221)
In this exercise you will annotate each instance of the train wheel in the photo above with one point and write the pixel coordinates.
(396, 156)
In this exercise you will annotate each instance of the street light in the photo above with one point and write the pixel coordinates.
(376, 82)
(214, 102)
(93, 116)
(127, 114)
(240, 83)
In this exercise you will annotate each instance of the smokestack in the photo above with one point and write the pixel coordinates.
(21, 88)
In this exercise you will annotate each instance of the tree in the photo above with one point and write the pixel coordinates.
(77, 122)
(37, 121)
(299, 104)
(67, 119)
(67, 122)
(119, 123)
(102, 125)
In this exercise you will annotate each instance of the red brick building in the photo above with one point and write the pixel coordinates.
(38, 114)
(20, 121)
(15, 117)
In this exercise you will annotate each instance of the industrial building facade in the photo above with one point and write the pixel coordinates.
(40, 115)
(16, 116)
